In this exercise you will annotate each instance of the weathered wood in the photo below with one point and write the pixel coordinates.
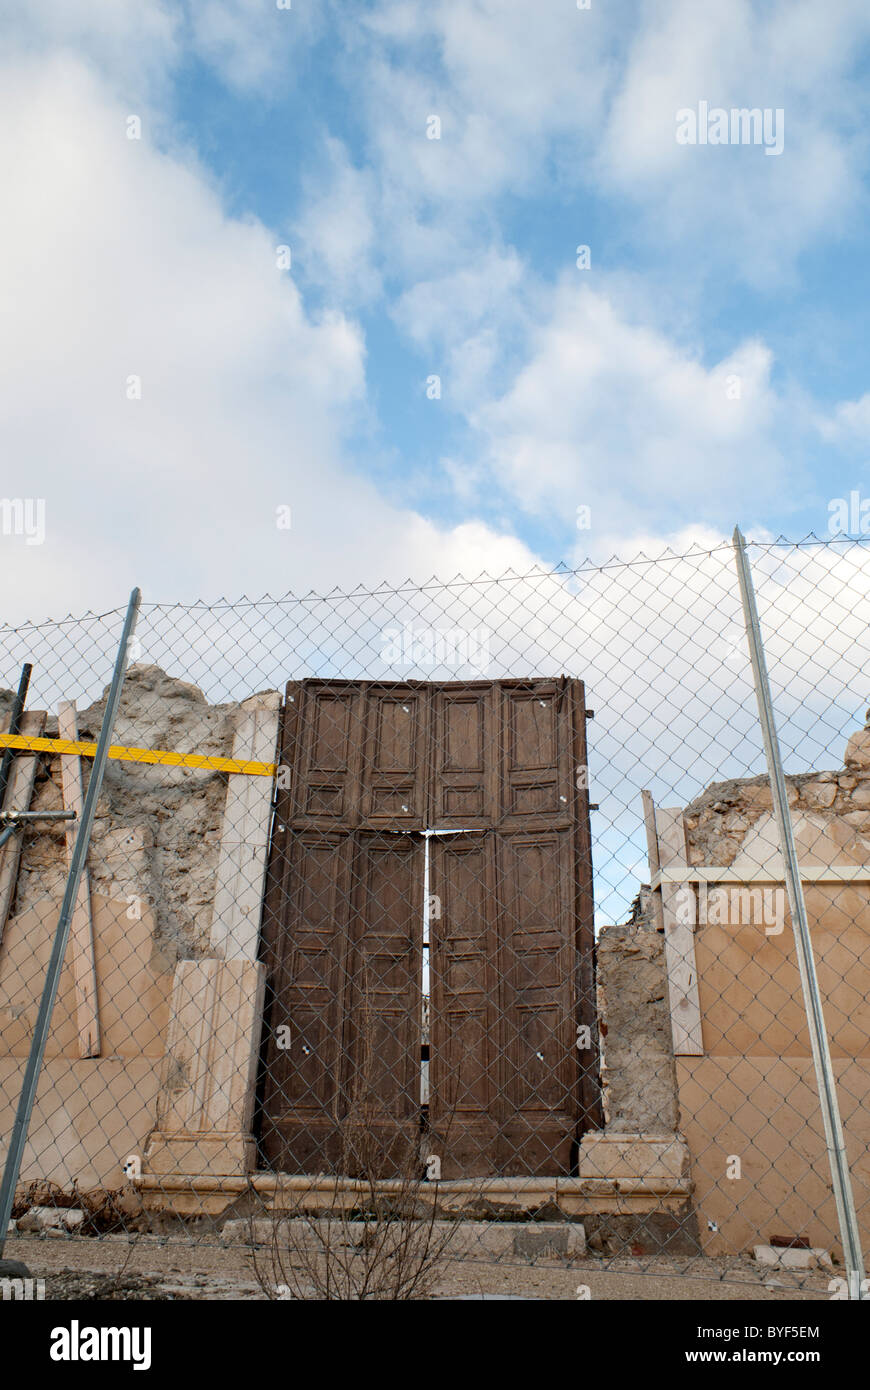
(652, 846)
(670, 851)
(82, 927)
(513, 1025)
(19, 790)
(241, 869)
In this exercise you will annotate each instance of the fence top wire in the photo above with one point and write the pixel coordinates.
(560, 571)
(658, 640)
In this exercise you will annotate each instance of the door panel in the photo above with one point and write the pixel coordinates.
(512, 949)
(357, 754)
(504, 1069)
(385, 999)
(536, 928)
(465, 757)
(537, 786)
(322, 749)
(394, 772)
(344, 962)
(307, 937)
(464, 1058)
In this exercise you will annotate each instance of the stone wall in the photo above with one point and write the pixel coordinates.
(159, 835)
(638, 1080)
(157, 829)
(729, 824)
(156, 843)
(718, 820)
(752, 1096)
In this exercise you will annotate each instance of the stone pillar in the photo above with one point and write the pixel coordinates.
(205, 1107)
(206, 1100)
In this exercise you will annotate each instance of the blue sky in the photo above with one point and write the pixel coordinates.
(259, 387)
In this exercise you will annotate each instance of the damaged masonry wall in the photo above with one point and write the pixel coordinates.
(160, 834)
(157, 830)
(638, 1073)
(835, 803)
(750, 1098)
(158, 842)
(155, 850)
(638, 1081)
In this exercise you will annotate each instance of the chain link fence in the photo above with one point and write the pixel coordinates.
(447, 922)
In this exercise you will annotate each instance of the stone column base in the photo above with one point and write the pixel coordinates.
(206, 1100)
(201, 1155)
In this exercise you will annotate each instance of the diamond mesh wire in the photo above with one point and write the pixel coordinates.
(318, 1011)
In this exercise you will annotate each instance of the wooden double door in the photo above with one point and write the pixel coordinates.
(502, 949)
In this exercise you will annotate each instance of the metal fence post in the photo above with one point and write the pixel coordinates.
(18, 1138)
(840, 1177)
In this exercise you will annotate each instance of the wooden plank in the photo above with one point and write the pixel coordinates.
(241, 870)
(720, 873)
(682, 971)
(589, 1060)
(82, 927)
(22, 776)
(467, 1023)
(652, 846)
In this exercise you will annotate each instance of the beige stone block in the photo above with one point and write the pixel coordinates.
(51, 1219)
(765, 1111)
(133, 983)
(241, 869)
(632, 1157)
(200, 1154)
(89, 1115)
(858, 750)
(778, 1257)
(819, 793)
(206, 1099)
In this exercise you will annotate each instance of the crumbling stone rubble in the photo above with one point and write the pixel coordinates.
(157, 829)
(718, 819)
(637, 1072)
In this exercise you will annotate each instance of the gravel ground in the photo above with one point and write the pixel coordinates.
(114, 1268)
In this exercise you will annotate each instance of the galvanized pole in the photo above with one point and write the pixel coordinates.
(840, 1178)
(52, 979)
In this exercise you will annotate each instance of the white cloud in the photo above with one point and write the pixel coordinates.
(337, 240)
(132, 46)
(611, 414)
(251, 43)
(119, 261)
(849, 422)
(550, 97)
(763, 211)
(466, 320)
